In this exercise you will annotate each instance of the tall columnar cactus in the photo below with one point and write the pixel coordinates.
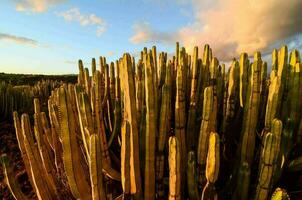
(127, 83)
(212, 167)
(81, 78)
(117, 108)
(213, 82)
(43, 186)
(276, 88)
(268, 158)
(204, 134)
(180, 112)
(93, 67)
(203, 79)
(290, 104)
(95, 168)
(250, 117)
(164, 128)
(99, 119)
(44, 149)
(232, 94)
(174, 169)
(231, 107)
(244, 67)
(18, 130)
(151, 128)
(71, 152)
(263, 93)
(191, 124)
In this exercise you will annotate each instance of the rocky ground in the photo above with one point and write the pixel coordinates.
(9, 145)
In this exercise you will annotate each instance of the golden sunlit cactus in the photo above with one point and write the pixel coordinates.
(95, 168)
(280, 194)
(174, 169)
(128, 86)
(244, 68)
(71, 153)
(268, 158)
(212, 167)
(180, 112)
(250, 115)
(151, 128)
(204, 134)
(43, 187)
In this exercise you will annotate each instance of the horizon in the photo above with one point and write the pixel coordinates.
(48, 37)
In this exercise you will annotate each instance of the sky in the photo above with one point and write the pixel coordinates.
(49, 36)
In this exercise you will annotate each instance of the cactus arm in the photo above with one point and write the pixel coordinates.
(95, 168)
(174, 169)
(78, 185)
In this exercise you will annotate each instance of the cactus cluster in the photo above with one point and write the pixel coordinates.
(21, 97)
(167, 128)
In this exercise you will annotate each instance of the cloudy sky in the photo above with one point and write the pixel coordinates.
(49, 36)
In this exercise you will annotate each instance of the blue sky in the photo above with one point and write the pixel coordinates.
(49, 36)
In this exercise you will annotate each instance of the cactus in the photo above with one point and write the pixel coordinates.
(174, 169)
(192, 176)
(180, 109)
(191, 124)
(269, 155)
(95, 168)
(204, 134)
(151, 129)
(71, 155)
(130, 115)
(212, 167)
(43, 187)
(251, 112)
(161, 117)
(117, 108)
(125, 158)
(164, 128)
(280, 194)
(243, 181)
(243, 66)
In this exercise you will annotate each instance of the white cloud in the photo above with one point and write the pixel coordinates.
(144, 33)
(18, 39)
(35, 5)
(233, 26)
(75, 15)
